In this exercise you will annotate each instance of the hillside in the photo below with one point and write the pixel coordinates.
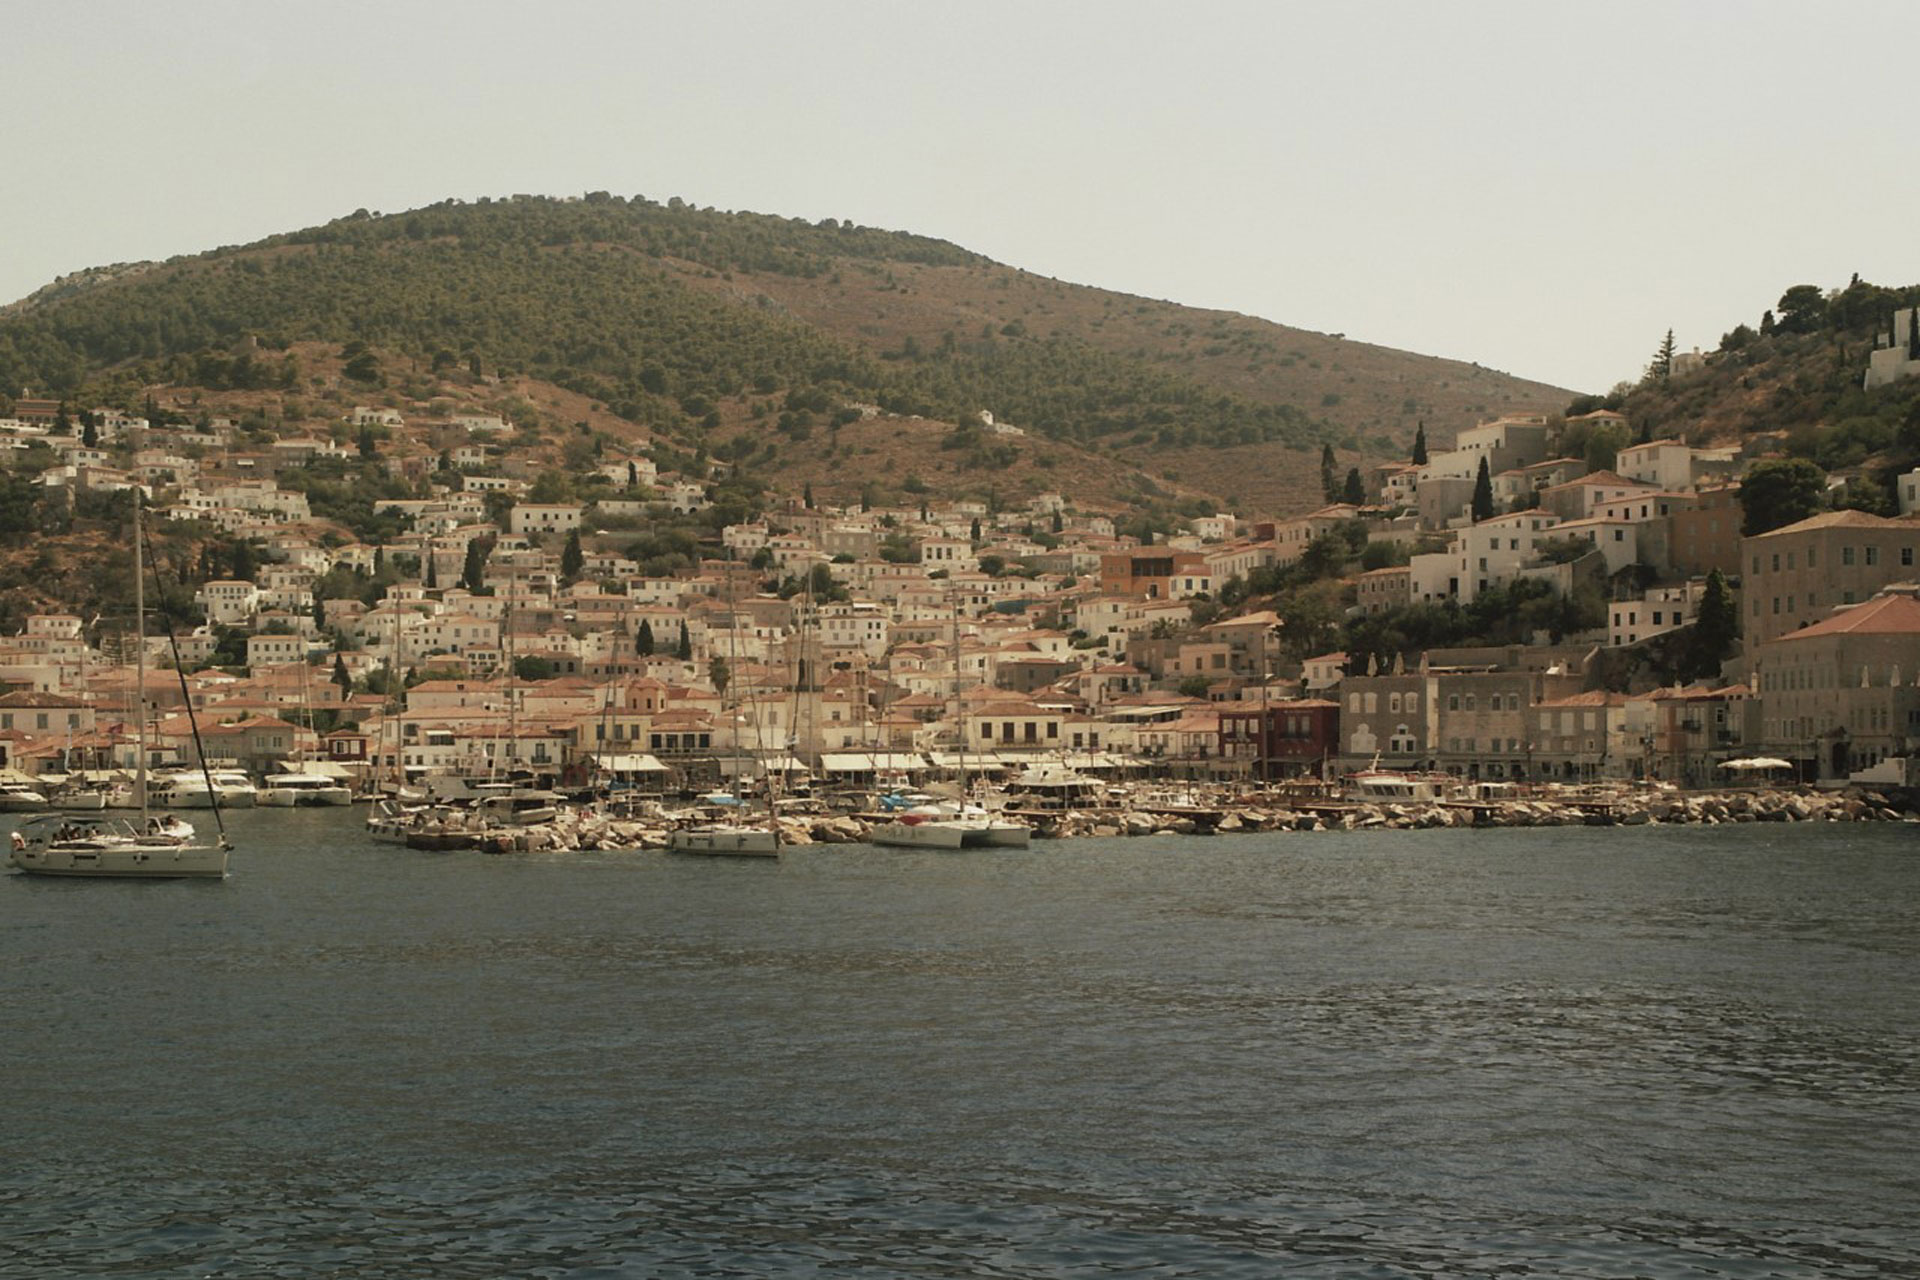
(1796, 375)
(697, 327)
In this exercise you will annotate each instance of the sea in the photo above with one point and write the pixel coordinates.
(1576, 1052)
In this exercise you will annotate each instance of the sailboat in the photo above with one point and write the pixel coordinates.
(952, 824)
(154, 848)
(732, 837)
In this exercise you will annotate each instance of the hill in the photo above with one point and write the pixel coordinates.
(1797, 376)
(738, 331)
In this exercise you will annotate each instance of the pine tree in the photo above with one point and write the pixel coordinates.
(1661, 367)
(1483, 493)
(1327, 479)
(1420, 444)
(643, 639)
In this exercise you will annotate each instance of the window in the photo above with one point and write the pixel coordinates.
(1873, 555)
(1453, 702)
(1906, 555)
(1810, 557)
(1846, 555)
(1776, 562)
(1413, 702)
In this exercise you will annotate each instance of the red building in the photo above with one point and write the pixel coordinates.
(1279, 739)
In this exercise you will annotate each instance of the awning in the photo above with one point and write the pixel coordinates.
(871, 762)
(1757, 762)
(630, 764)
(754, 767)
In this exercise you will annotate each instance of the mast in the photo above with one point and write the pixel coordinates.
(959, 699)
(139, 664)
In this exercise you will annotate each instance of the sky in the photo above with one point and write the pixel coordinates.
(1542, 188)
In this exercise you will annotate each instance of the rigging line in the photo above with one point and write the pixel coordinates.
(186, 697)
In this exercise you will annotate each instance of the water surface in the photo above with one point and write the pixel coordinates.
(1668, 1052)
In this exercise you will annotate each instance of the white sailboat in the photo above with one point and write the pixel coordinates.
(154, 848)
(952, 824)
(733, 837)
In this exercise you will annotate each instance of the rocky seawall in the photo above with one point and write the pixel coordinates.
(587, 830)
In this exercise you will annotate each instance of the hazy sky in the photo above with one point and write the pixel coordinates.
(1544, 188)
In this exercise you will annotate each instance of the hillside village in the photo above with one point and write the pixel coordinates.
(510, 623)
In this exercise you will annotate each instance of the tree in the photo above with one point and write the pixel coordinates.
(1603, 445)
(1327, 465)
(684, 650)
(643, 639)
(244, 565)
(1420, 445)
(473, 575)
(718, 674)
(1483, 493)
(973, 531)
(89, 430)
(1779, 491)
(340, 676)
(533, 668)
(1059, 521)
(1194, 687)
(1802, 309)
(572, 558)
(1355, 491)
(368, 447)
(806, 495)
(1661, 367)
(1714, 630)
(433, 572)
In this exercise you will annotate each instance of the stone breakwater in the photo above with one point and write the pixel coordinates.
(585, 830)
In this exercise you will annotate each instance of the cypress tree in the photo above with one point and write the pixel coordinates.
(1327, 464)
(1420, 445)
(572, 558)
(1355, 491)
(643, 639)
(684, 650)
(473, 575)
(1483, 493)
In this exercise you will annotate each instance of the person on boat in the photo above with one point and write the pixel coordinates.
(19, 842)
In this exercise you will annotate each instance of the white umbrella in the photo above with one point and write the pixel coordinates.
(1758, 762)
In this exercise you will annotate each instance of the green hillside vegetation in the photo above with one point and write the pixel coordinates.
(575, 294)
(1797, 371)
(683, 320)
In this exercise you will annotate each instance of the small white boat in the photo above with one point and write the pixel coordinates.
(503, 804)
(20, 797)
(301, 790)
(951, 825)
(192, 789)
(726, 839)
(1393, 787)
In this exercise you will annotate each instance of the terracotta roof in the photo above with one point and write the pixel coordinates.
(1883, 615)
(1842, 520)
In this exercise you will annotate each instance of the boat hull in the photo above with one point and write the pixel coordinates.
(738, 842)
(127, 862)
(302, 797)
